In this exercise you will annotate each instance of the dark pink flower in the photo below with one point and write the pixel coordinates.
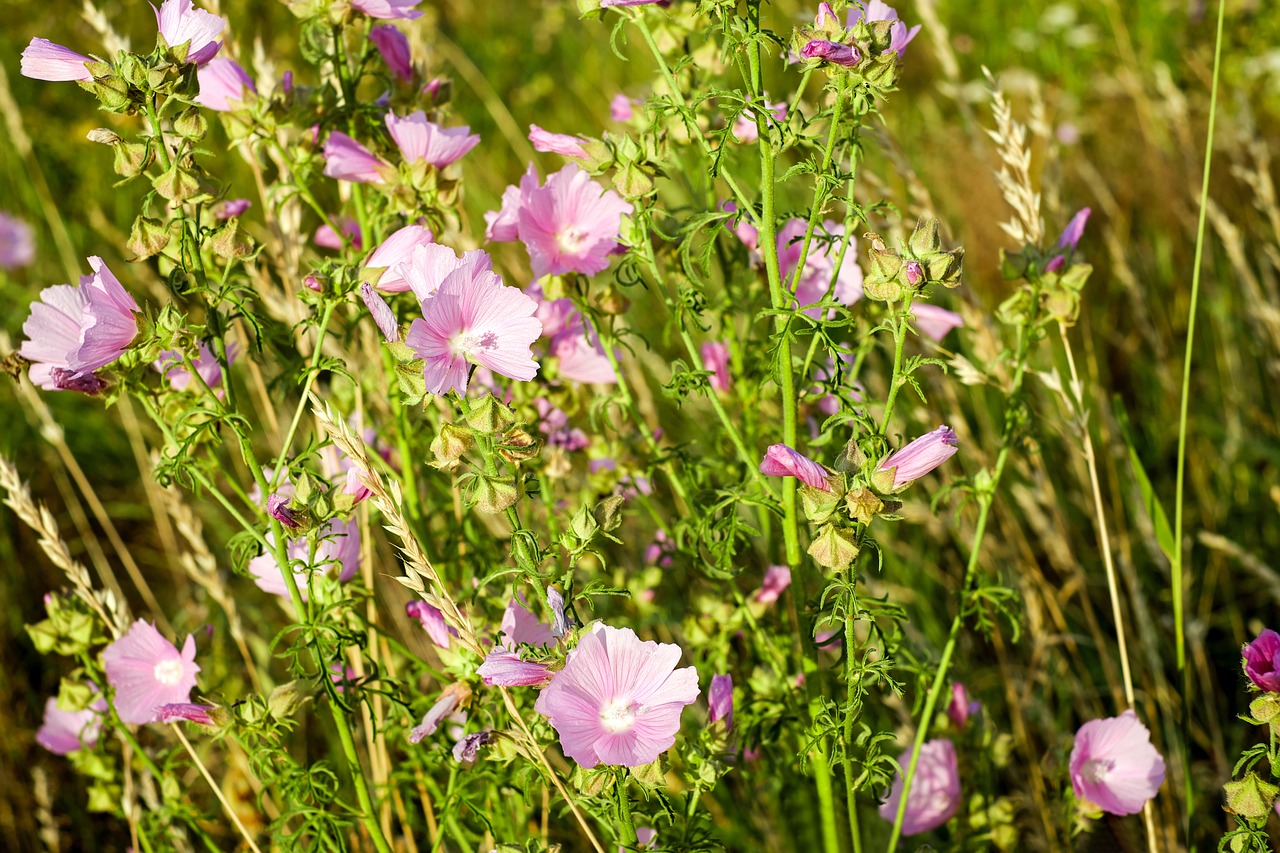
(424, 141)
(618, 699)
(45, 60)
(934, 322)
(278, 508)
(935, 789)
(348, 160)
(432, 621)
(961, 707)
(224, 85)
(64, 732)
(1114, 766)
(776, 580)
(337, 554)
(920, 456)
(1262, 661)
(147, 671)
(782, 461)
(188, 711)
(715, 357)
(388, 9)
(504, 668)
(833, 52)
(557, 143)
(394, 47)
(180, 23)
(1075, 230)
(720, 700)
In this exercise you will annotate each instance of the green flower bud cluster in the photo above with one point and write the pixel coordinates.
(896, 273)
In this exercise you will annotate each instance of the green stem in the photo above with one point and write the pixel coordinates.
(303, 401)
(629, 839)
(846, 761)
(820, 192)
(826, 800)
(899, 341)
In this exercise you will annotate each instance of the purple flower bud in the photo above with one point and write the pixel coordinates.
(394, 47)
(555, 603)
(231, 207)
(825, 13)
(961, 707)
(286, 82)
(715, 357)
(382, 313)
(70, 380)
(833, 52)
(782, 461)
(720, 700)
(190, 712)
(776, 580)
(465, 750)
(432, 622)
(915, 273)
(921, 456)
(1075, 230)
(1056, 264)
(504, 668)
(444, 707)
(45, 60)
(278, 508)
(312, 282)
(1262, 661)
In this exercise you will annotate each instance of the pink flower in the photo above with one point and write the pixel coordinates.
(720, 700)
(878, 10)
(17, 243)
(382, 313)
(745, 129)
(424, 141)
(188, 711)
(224, 85)
(557, 143)
(961, 707)
(935, 789)
(782, 461)
(504, 668)
(206, 364)
(387, 9)
(53, 331)
(581, 356)
(348, 160)
(935, 322)
(432, 621)
(473, 318)
(620, 108)
(715, 357)
(920, 456)
(326, 238)
(1075, 230)
(519, 626)
(467, 749)
(618, 699)
(776, 580)
(180, 24)
(430, 264)
(1262, 661)
(147, 671)
(231, 207)
(64, 732)
(108, 326)
(833, 52)
(1114, 766)
(570, 224)
(45, 60)
(338, 551)
(394, 47)
(819, 264)
(442, 709)
(394, 252)
(825, 13)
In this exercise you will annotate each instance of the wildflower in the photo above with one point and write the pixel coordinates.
(53, 331)
(934, 322)
(170, 363)
(327, 238)
(504, 668)
(877, 10)
(45, 60)
(1262, 661)
(646, 835)
(503, 225)
(1075, 230)
(278, 508)
(474, 318)
(17, 246)
(618, 699)
(444, 707)
(553, 422)
(147, 671)
(231, 207)
(432, 621)
(776, 580)
(519, 626)
(180, 23)
(605, 4)
(466, 749)
(555, 603)
(430, 264)
(960, 707)
(1114, 766)
(393, 253)
(394, 47)
(715, 357)
(224, 85)
(819, 264)
(348, 160)
(557, 143)
(935, 789)
(745, 129)
(720, 700)
(424, 141)
(782, 461)
(64, 732)
(382, 313)
(188, 711)
(581, 356)
(833, 52)
(620, 108)
(920, 456)
(337, 551)
(387, 9)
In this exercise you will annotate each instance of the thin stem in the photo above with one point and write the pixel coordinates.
(629, 838)
(826, 800)
(899, 341)
(217, 792)
(306, 390)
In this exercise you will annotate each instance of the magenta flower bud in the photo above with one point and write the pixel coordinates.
(188, 711)
(312, 282)
(1075, 230)
(782, 461)
(504, 668)
(915, 273)
(224, 85)
(433, 87)
(961, 708)
(382, 313)
(432, 621)
(1057, 263)
(45, 60)
(825, 13)
(278, 508)
(180, 23)
(720, 700)
(231, 207)
(559, 622)
(465, 750)
(921, 456)
(1262, 661)
(776, 580)
(556, 143)
(394, 47)
(348, 160)
(833, 52)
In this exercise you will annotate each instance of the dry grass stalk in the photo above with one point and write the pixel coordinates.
(1014, 177)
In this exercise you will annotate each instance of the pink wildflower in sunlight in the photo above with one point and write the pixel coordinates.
(782, 461)
(878, 10)
(224, 85)
(430, 264)
(557, 143)
(833, 52)
(776, 580)
(188, 711)
(53, 331)
(394, 47)
(64, 732)
(1114, 766)
(504, 668)
(720, 700)
(337, 553)
(473, 318)
(934, 322)
(383, 316)
(715, 357)
(432, 621)
(17, 242)
(326, 238)
(109, 324)
(503, 225)
(423, 141)
(961, 707)
(180, 23)
(394, 252)
(618, 699)
(935, 789)
(147, 671)
(745, 129)
(1262, 661)
(519, 626)
(206, 364)
(231, 207)
(46, 60)
(622, 108)
(920, 456)
(348, 160)
(388, 9)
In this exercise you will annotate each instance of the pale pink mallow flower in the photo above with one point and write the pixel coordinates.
(64, 732)
(715, 357)
(920, 456)
(432, 621)
(745, 129)
(206, 364)
(53, 331)
(46, 60)
(645, 836)
(444, 708)
(878, 10)
(181, 23)
(557, 143)
(224, 85)
(393, 253)
(618, 699)
(327, 238)
(622, 108)
(188, 711)
(776, 580)
(782, 461)
(503, 225)
(934, 322)
(17, 242)
(337, 553)
(720, 700)
(519, 626)
(1262, 661)
(430, 264)
(348, 160)
(382, 313)
(473, 318)
(961, 706)
(423, 141)
(147, 671)
(581, 355)
(1114, 766)
(504, 668)
(388, 9)
(935, 789)
(110, 320)
(394, 47)
(819, 264)
(833, 52)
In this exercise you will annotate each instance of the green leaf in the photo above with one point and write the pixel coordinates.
(1155, 511)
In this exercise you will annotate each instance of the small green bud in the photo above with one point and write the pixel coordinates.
(926, 239)
(1250, 797)
(944, 267)
(413, 384)
(285, 699)
(834, 548)
(177, 184)
(863, 505)
(494, 494)
(649, 774)
(132, 159)
(1265, 708)
(819, 504)
(450, 444)
(191, 124)
(147, 238)
(74, 696)
(1013, 265)
(489, 415)
(518, 446)
(134, 71)
(609, 513)
(232, 241)
(583, 525)
(632, 182)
